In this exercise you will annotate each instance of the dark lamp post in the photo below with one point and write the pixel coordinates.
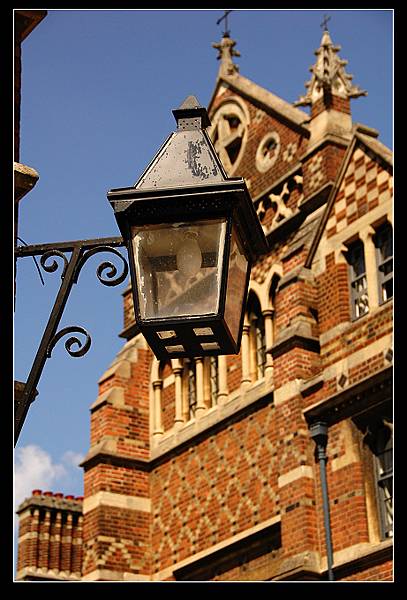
(192, 235)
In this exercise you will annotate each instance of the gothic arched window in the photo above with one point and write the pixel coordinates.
(384, 477)
(189, 389)
(384, 253)
(211, 381)
(257, 339)
(378, 437)
(358, 279)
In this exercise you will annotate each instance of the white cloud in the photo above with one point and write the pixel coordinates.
(35, 469)
(72, 458)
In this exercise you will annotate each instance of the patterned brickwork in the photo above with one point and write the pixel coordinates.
(365, 186)
(358, 336)
(320, 167)
(116, 539)
(261, 268)
(216, 489)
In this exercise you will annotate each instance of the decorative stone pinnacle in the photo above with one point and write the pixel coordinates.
(329, 75)
(226, 52)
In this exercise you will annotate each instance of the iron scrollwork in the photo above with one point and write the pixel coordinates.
(106, 272)
(103, 266)
(52, 267)
(83, 346)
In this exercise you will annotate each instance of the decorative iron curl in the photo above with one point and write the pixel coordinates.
(54, 265)
(83, 346)
(103, 266)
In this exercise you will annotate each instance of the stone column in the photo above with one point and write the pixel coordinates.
(268, 329)
(246, 380)
(223, 391)
(200, 399)
(366, 235)
(157, 390)
(207, 382)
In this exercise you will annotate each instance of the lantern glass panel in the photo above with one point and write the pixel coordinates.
(179, 268)
(236, 286)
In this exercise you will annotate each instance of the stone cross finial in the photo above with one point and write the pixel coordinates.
(324, 23)
(226, 49)
(225, 18)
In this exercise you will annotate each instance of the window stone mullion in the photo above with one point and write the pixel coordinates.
(200, 399)
(366, 236)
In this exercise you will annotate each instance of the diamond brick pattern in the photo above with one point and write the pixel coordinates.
(315, 171)
(212, 491)
(365, 185)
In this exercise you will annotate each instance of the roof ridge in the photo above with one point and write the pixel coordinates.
(260, 93)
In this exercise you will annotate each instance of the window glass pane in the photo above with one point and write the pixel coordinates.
(384, 458)
(235, 291)
(359, 296)
(387, 290)
(178, 268)
(357, 259)
(384, 241)
(384, 244)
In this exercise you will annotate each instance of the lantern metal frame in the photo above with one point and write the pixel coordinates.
(203, 203)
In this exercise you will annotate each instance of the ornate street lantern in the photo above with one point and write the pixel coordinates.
(192, 235)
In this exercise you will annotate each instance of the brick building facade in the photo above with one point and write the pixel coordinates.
(206, 469)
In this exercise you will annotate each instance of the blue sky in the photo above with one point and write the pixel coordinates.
(98, 88)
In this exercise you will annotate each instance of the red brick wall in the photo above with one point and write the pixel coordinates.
(262, 123)
(128, 308)
(333, 294)
(332, 102)
(168, 407)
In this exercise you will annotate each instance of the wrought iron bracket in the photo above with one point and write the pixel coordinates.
(107, 273)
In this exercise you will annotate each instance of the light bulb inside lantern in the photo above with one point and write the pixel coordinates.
(189, 255)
